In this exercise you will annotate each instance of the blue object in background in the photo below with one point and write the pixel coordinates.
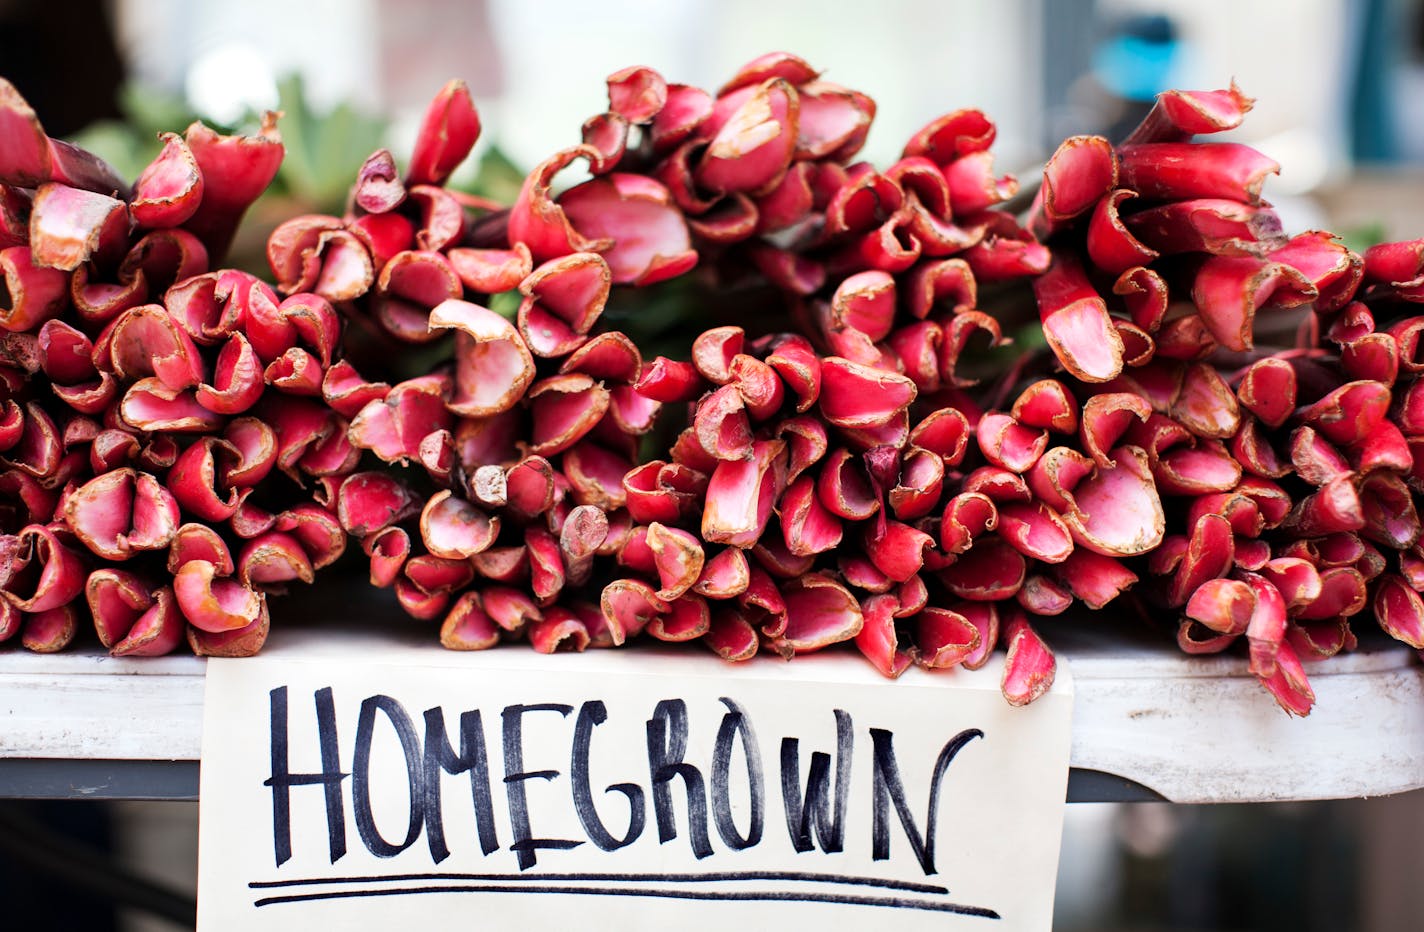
(1378, 37)
(1136, 60)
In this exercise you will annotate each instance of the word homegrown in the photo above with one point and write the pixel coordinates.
(359, 783)
(694, 793)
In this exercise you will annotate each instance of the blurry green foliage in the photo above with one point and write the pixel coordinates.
(505, 304)
(324, 154)
(325, 151)
(1362, 237)
(131, 143)
(496, 178)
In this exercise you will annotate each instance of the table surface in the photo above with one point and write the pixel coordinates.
(1148, 721)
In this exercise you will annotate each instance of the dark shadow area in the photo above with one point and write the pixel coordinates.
(62, 57)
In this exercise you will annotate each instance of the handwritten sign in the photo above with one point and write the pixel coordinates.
(357, 786)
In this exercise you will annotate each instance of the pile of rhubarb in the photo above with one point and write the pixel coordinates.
(884, 409)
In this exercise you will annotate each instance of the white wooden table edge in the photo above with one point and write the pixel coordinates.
(1191, 729)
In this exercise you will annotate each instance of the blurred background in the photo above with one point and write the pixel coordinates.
(1338, 82)
(1340, 90)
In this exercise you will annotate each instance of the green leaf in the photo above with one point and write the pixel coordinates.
(1362, 236)
(131, 143)
(506, 303)
(497, 178)
(299, 170)
(148, 110)
(324, 151)
(117, 144)
(1029, 337)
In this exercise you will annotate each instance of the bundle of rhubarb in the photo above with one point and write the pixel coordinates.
(854, 429)
(167, 455)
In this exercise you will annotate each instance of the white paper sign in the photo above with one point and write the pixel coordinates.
(355, 786)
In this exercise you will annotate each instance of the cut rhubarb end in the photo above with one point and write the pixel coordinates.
(1226, 606)
(1117, 512)
(156, 632)
(740, 495)
(687, 618)
(41, 573)
(213, 604)
(467, 627)
(540, 223)
(637, 94)
(1268, 390)
(854, 395)
(271, 559)
(608, 357)
(116, 599)
(31, 293)
(50, 631)
(1288, 685)
(1400, 610)
(897, 549)
(730, 636)
(235, 170)
(170, 188)
(448, 132)
(240, 642)
(679, 560)
(394, 427)
(756, 139)
(1047, 404)
(628, 605)
(1349, 413)
(1076, 322)
(122, 512)
(1111, 245)
(388, 550)
(493, 364)
(369, 502)
(1083, 170)
(1267, 627)
(68, 227)
(31, 157)
(1035, 531)
(670, 381)
(1210, 554)
(1229, 290)
(819, 612)
(1008, 444)
(648, 237)
(563, 409)
(724, 575)
(194, 480)
(991, 571)
(1094, 579)
(454, 529)
(1179, 115)
(1042, 596)
(877, 639)
(1030, 666)
(713, 351)
(966, 517)
(491, 271)
(947, 638)
(807, 525)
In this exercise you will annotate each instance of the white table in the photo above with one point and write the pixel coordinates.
(1149, 722)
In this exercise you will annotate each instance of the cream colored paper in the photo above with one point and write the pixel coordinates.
(989, 862)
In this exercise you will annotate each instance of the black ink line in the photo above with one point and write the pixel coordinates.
(704, 877)
(839, 899)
